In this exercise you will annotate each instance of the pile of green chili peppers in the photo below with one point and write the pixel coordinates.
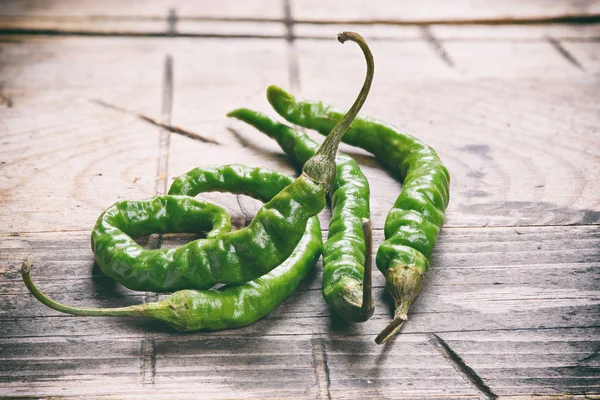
(263, 263)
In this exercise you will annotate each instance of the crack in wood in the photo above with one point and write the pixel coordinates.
(288, 20)
(436, 45)
(148, 361)
(148, 353)
(247, 218)
(461, 366)
(594, 355)
(172, 22)
(564, 52)
(168, 127)
(292, 57)
(319, 356)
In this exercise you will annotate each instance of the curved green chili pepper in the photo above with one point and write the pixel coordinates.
(233, 257)
(230, 306)
(230, 258)
(346, 258)
(413, 223)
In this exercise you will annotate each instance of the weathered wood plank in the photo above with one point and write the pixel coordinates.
(234, 365)
(499, 342)
(312, 11)
(445, 33)
(65, 159)
(518, 305)
(532, 362)
(170, 25)
(511, 362)
(485, 148)
(139, 9)
(519, 150)
(199, 27)
(563, 262)
(112, 173)
(439, 11)
(495, 278)
(62, 177)
(519, 33)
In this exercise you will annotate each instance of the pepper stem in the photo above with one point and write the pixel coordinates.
(367, 303)
(321, 167)
(172, 310)
(403, 282)
(392, 328)
(329, 146)
(110, 312)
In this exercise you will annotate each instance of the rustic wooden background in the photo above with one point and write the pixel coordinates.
(507, 92)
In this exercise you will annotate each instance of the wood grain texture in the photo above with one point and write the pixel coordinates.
(140, 9)
(61, 169)
(439, 11)
(310, 11)
(482, 302)
(170, 25)
(486, 33)
(63, 158)
(519, 140)
(511, 305)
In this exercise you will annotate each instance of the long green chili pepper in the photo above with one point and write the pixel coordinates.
(230, 306)
(346, 276)
(233, 257)
(413, 223)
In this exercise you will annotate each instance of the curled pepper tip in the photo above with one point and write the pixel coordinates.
(343, 36)
(321, 167)
(26, 266)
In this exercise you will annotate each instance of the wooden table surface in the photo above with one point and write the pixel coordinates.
(507, 92)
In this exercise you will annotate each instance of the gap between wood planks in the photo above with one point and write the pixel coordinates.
(466, 372)
(173, 336)
(148, 350)
(289, 21)
(172, 18)
(293, 67)
(321, 368)
(325, 231)
(147, 346)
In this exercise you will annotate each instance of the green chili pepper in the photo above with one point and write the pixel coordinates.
(229, 306)
(413, 223)
(233, 257)
(346, 253)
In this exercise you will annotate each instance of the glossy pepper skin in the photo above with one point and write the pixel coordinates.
(344, 252)
(233, 257)
(413, 223)
(230, 258)
(230, 306)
